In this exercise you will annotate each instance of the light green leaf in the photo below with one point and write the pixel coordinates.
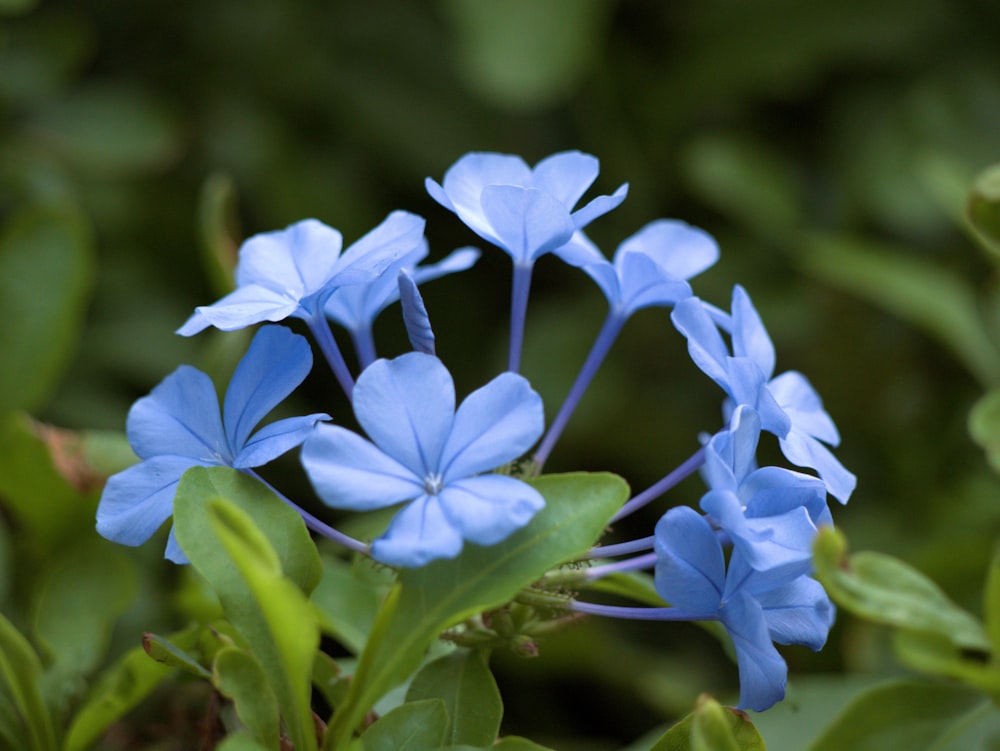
(907, 714)
(471, 697)
(241, 742)
(21, 672)
(634, 585)
(711, 727)
(47, 271)
(941, 303)
(168, 653)
(983, 209)
(268, 609)
(431, 599)
(509, 743)
(991, 603)
(886, 590)
(238, 676)
(984, 426)
(347, 599)
(414, 726)
(935, 654)
(281, 525)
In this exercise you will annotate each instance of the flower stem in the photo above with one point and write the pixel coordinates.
(639, 613)
(638, 563)
(654, 491)
(622, 548)
(364, 346)
(520, 287)
(313, 523)
(321, 331)
(609, 332)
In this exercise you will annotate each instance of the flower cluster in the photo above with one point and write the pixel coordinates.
(743, 560)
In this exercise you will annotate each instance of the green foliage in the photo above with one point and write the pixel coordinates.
(711, 727)
(983, 209)
(419, 725)
(21, 671)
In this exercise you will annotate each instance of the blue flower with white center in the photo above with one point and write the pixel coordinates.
(770, 514)
(293, 272)
(650, 268)
(527, 212)
(356, 307)
(787, 405)
(178, 426)
(426, 453)
(757, 608)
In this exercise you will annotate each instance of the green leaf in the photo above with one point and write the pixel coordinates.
(241, 742)
(906, 714)
(991, 603)
(983, 209)
(282, 525)
(711, 727)
(347, 599)
(119, 688)
(239, 677)
(166, 652)
(634, 585)
(268, 609)
(941, 303)
(464, 681)
(217, 224)
(431, 599)
(47, 269)
(935, 654)
(509, 743)
(21, 672)
(78, 601)
(984, 426)
(414, 726)
(886, 590)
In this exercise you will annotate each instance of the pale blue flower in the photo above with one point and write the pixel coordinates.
(426, 453)
(757, 608)
(178, 426)
(787, 404)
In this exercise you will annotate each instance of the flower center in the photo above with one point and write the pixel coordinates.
(433, 483)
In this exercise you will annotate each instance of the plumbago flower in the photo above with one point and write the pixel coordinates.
(787, 404)
(293, 272)
(526, 212)
(757, 608)
(650, 268)
(426, 453)
(178, 426)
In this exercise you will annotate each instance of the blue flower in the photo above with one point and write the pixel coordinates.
(179, 426)
(425, 452)
(757, 608)
(769, 514)
(526, 212)
(787, 404)
(650, 268)
(293, 271)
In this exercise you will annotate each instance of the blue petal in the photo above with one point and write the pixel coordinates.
(763, 672)
(399, 234)
(705, 344)
(406, 406)
(179, 417)
(750, 338)
(774, 490)
(296, 261)
(136, 502)
(418, 534)
(566, 176)
(798, 613)
(275, 363)
(465, 181)
(242, 307)
(173, 551)
(489, 508)
(747, 385)
(645, 284)
(805, 451)
(272, 441)
(415, 318)
(690, 568)
(495, 424)
(680, 250)
(356, 306)
(349, 472)
(799, 399)
(527, 221)
(599, 207)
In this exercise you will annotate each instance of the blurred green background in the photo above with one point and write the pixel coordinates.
(829, 147)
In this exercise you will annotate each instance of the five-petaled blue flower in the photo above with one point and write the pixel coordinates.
(787, 404)
(526, 212)
(292, 272)
(757, 608)
(426, 452)
(178, 426)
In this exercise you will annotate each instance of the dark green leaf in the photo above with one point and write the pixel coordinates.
(464, 681)
(46, 274)
(218, 229)
(414, 726)
(240, 677)
(935, 654)
(888, 591)
(21, 672)
(983, 208)
(430, 599)
(991, 603)
(984, 426)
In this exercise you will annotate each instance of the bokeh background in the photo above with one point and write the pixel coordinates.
(829, 147)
